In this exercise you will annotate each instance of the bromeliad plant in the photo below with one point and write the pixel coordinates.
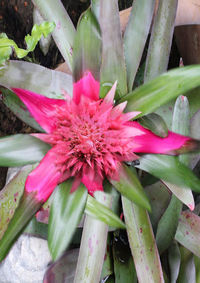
(89, 141)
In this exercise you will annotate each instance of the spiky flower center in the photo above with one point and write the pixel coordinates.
(91, 136)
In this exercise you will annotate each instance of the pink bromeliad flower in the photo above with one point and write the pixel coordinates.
(90, 138)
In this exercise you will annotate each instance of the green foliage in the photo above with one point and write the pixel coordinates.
(6, 44)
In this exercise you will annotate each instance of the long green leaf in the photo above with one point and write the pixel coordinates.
(103, 213)
(168, 223)
(10, 196)
(35, 78)
(65, 214)
(187, 268)
(87, 47)
(113, 62)
(18, 150)
(31, 41)
(187, 232)
(174, 257)
(53, 10)
(93, 246)
(27, 207)
(142, 243)
(161, 39)
(130, 187)
(170, 169)
(162, 89)
(136, 35)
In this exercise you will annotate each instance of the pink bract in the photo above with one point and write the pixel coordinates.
(90, 138)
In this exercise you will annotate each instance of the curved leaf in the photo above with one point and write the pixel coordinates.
(163, 167)
(33, 77)
(19, 150)
(161, 39)
(53, 10)
(162, 89)
(103, 213)
(155, 124)
(142, 243)
(174, 257)
(65, 214)
(31, 41)
(93, 246)
(187, 232)
(135, 36)
(10, 196)
(130, 187)
(113, 62)
(87, 47)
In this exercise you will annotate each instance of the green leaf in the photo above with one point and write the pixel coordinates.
(10, 196)
(174, 257)
(27, 207)
(184, 194)
(187, 268)
(53, 10)
(124, 267)
(142, 243)
(159, 198)
(155, 124)
(25, 75)
(65, 214)
(37, 229)
(113, 62)
(170, 169)
(135, 36)
(107, 268)
(31, 41)
(5, 52)
(168, 224)
(103, 213)
(93, 246)
(130, 187)
(44, 42)
(161, 39)
(87, 47)
(187, 233)
(162, 89)
(18, 150)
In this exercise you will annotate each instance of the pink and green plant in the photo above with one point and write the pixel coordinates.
(90, 140)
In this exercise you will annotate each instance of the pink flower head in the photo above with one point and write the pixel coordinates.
(90, 138)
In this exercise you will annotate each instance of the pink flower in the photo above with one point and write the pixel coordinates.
(90, 138)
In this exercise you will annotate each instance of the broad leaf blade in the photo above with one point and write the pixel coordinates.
(130, 187)
(142, 243)
(27, 207)
(161, 39)
(87, 47)
(163, 167)
(159, 91)
(187, 233)
(136, 35)
(35, 78)
(53, 10)
(174, 257)
(19, 150)
(113, 63)
(103, 213)
(65, 214)
(93, 246)
(155, 124)
(10, 196)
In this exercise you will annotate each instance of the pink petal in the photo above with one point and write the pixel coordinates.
(86, 86)
(92, 185)
(44, 178)
(109, 98)
(150, 143)
(41, 108)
